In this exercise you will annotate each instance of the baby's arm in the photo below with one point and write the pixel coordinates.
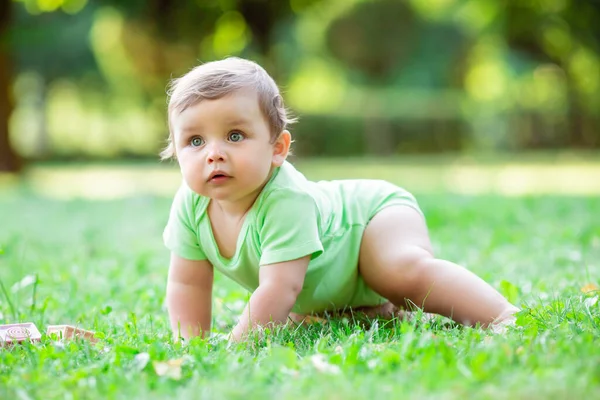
(189, 297)
(279, 286)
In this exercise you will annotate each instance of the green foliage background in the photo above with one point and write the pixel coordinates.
(364, 76)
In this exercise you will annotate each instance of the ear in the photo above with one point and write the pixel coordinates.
(281, 148)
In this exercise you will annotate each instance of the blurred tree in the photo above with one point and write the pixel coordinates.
(161, 38)
(385, 45)
(176, 34)
(9, 161)
(263, 18)
(374, 39)
(564, 34)
(404, 62)
(55, 50)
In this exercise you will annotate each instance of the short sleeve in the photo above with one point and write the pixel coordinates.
(180, 234)
(290, 227)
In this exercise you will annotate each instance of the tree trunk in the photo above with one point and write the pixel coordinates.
(9, 160)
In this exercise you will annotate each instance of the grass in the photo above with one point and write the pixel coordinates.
(101, 265)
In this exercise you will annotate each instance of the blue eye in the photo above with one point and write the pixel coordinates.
(236, 137)
(197, 141)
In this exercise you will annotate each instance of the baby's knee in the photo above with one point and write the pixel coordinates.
(413, 259)
(415, 270)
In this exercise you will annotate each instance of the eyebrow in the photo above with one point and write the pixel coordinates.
(190, 129)
(238, 121)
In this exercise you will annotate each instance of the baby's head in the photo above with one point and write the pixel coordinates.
(217, 79)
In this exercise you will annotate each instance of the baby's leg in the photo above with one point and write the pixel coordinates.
(397, 261)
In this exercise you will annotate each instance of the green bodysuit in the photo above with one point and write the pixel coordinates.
(292, 218)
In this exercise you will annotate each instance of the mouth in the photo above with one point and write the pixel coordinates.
(218, 176)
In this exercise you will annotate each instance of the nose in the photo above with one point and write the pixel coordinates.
(215, 153)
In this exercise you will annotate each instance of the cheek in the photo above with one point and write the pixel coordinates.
(188, 167)
(258, 163)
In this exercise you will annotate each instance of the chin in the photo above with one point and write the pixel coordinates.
(220, 194)
(199, 190)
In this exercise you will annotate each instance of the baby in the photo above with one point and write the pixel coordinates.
(299, 247)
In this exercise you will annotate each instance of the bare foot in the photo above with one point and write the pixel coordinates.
(506, 319)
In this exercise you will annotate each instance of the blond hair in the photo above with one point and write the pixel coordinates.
(216, 79)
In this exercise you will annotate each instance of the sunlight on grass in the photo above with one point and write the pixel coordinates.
(508, 179)
(102, 182)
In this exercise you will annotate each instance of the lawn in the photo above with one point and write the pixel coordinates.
(101, 265)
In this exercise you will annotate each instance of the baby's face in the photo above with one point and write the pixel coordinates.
(223, 147)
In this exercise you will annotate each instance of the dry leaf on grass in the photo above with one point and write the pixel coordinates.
(590, 287)
(170, 369)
